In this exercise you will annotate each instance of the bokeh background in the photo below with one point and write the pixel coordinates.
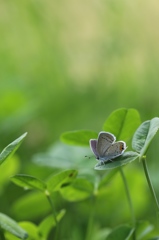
(66, 65)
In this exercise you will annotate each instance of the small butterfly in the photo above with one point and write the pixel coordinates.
(105, 148)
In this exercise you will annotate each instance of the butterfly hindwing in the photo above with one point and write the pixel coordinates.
(93, 146)
(115, 150)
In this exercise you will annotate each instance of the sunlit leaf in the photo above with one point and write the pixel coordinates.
(31, 229)
(144, 135)
(123, 232)
(28, 182)
(12, 226)
(55, 182)
(48, 223)
(122, 123)
(143, 229)
(126, 158)
(80, 137)
(11, 148)
(80, 189)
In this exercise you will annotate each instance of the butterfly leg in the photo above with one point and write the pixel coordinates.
(102, 161)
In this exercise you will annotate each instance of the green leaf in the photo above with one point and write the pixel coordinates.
(12, 226)
(31, 229)
(123, 232)
(11, 148)
(31, 205)
(63, 156)
(55, 182)
(143, 229)
(124, 159)
(80, 137)
(48, 223)
(101, 233)
(28, 182)
(144, 135)
(122, 123)
(80, 189)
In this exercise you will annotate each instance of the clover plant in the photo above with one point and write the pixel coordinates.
(75, 181)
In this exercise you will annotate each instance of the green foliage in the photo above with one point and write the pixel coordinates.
(124, 159)
(31, 205)
(107, 178)
(144, 135)
(79, 190)
(79, 187)
(31, 229)
(120, 233)
(11, 148)
(28, 182)
(55, 182)
(48, 223)
(65, 69)
(38, 232)
(80, 138)
(122, 123)
(8, 224)
(143, 229)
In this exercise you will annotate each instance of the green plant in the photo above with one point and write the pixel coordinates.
(6, 223)
(81, 190)
(122, 123)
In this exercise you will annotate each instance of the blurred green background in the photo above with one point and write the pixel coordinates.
(66, 65)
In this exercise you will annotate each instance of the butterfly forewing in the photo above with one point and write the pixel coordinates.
(105, 140)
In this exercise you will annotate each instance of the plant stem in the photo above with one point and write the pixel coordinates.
(128, 197)
(54, 213)
(91, 219)
(151, 186)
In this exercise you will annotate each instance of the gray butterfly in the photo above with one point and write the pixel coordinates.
(105, 148)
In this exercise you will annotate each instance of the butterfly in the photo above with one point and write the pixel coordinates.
(105, 148)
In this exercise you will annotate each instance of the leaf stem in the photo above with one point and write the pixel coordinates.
(133, 220)
(53, 212)
(150, 186)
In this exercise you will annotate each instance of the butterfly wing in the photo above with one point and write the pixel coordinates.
(115, 150)
(93, 146)
(105, 140)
